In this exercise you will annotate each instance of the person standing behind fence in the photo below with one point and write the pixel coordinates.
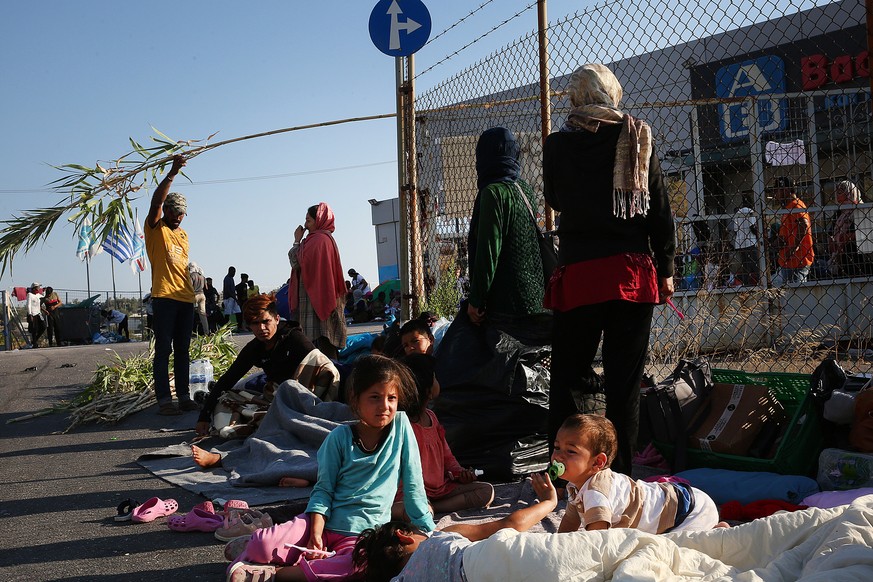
(50, 304)
(601, 172)
(744, 230)
(795, 235)
(35, 321)
(172, 293)
(316, 292)
(845, 261)
(198, 281)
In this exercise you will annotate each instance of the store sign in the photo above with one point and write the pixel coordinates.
(817, 70)
(762, 76)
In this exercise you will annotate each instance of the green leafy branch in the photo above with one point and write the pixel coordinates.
(103, 195)
(99, 195)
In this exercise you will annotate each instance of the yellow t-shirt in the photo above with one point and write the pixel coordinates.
(167, 250)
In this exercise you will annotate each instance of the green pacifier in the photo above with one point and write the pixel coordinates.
(556, 469)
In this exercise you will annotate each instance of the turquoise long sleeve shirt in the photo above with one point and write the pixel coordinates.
(355, 490)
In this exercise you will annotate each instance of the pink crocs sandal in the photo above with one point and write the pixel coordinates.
(153, 509)
(195, 520)
(206, 506)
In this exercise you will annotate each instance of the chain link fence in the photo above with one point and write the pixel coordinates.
(742, 96)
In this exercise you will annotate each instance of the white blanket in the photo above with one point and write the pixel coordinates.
(815, 544)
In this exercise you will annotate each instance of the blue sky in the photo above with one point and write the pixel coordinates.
(79, 78)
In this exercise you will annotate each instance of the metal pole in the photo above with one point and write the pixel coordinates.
(114, 298)
(7, 334)
(417, 275)
(88, 272)
(403, 258)
(545, 90)
(868, 4)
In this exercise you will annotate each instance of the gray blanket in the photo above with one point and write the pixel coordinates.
(285, 445)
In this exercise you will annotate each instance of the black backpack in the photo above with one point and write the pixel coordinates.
(667, 409)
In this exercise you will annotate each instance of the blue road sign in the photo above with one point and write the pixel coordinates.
(398, 28)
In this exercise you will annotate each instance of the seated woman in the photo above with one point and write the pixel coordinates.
(282, 350)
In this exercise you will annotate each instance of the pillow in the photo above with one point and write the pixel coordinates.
(828, 499)
(724, 485)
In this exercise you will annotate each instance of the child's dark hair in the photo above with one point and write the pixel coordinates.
(600, 435)
(378, 552)
(422, 367)
(418, 325)
(378, 344)
(373, 369)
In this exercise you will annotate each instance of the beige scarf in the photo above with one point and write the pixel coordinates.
(630, 175)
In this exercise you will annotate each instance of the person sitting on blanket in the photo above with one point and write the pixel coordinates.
(360, 466)
(400, 552)
(449, 486)
(282, 350)
(598, 498)
(416, 337)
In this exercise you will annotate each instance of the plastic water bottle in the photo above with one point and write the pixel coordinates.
(199, 377)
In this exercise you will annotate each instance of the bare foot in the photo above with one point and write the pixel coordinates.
(293, 482)
(204, 458)
(721, 524)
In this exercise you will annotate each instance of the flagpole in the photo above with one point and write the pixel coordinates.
(139, 282)
(88, 274)
(114, 298)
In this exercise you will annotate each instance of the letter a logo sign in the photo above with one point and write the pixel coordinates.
(761, 76)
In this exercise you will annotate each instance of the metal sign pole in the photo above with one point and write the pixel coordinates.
(401, 181)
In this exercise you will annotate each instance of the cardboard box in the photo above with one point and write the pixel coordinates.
(731, 418)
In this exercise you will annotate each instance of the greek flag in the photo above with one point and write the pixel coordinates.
(138, 260)
(120, 243)
(87, 246)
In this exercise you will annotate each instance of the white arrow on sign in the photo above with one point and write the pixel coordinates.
(396, 26)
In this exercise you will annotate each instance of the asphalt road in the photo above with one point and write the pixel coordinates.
(59, 492)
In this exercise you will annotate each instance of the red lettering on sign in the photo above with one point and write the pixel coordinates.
(813, 71)
(841, 69)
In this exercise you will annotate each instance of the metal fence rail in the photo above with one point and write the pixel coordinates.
(739, 94)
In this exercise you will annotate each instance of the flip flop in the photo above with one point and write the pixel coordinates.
(195, 520)
(125, 509)
(153, 509)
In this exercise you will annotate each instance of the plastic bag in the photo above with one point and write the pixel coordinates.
(494, 398)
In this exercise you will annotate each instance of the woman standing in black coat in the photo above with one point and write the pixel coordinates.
(616, 254)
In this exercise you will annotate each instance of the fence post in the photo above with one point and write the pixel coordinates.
(545, 90)
(415, 257)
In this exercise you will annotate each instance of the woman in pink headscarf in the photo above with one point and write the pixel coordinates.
(316, 293)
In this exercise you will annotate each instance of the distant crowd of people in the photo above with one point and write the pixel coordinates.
(727, 253)
(42, 315)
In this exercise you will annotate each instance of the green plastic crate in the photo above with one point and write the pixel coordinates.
(800, 443)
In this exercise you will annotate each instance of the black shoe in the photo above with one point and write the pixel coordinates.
(188, 405)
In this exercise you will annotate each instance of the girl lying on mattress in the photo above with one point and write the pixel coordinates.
(398, 545)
